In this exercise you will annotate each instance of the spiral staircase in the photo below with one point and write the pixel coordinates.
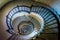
(29, 20)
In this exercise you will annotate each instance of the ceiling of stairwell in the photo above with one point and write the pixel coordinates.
(53, 3)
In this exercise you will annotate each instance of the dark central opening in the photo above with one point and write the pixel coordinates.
(25, 28)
